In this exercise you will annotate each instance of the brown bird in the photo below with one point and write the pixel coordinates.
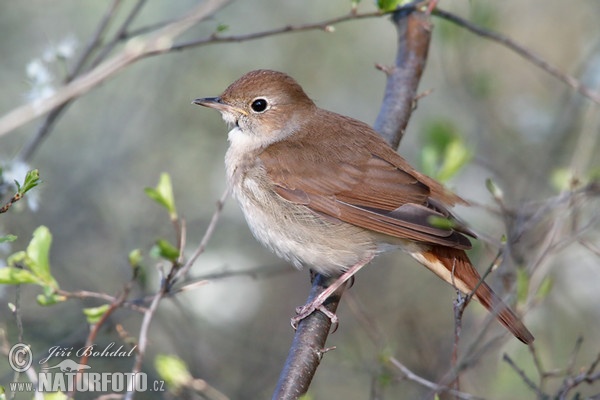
(326, 191)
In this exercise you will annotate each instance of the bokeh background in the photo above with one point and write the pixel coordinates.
(525, 128)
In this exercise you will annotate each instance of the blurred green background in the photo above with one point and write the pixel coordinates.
(523, 126)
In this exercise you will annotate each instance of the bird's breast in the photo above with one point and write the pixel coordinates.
(293, 231)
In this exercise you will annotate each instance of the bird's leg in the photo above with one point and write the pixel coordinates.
(317, 302)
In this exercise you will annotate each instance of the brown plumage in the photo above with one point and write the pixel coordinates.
(325, 190)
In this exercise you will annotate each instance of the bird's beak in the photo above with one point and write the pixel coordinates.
(212, 102)
(218, 104)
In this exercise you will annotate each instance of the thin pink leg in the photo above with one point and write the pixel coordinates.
(317, 302)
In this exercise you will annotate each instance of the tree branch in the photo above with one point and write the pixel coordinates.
(158, 43)
(527, 54)
(414, 33)
(308, 346)
(48, 123)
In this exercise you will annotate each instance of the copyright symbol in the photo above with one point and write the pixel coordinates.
(20, 357)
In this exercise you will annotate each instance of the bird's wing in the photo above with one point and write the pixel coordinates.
(364, 184)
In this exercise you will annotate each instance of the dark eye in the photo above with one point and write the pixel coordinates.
(259, 105)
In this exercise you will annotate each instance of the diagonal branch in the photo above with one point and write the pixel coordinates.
(48, 123)
(414, 33)
(157, 43)
(527, 54)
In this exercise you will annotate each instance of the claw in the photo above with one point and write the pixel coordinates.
(307, 309)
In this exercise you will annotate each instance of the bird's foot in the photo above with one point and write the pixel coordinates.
(307, 309)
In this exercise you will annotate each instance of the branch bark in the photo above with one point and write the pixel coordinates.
(158, 43)
(414, 34)
(308, 346)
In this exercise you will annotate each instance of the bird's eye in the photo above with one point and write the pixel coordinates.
(259, 105)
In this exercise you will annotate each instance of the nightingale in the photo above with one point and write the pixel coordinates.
(324, 190)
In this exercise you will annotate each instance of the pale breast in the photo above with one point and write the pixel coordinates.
(293, 232)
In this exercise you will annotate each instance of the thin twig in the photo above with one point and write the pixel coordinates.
(411, 376)
(590, 246)
(266, 271)
(527, 54)
(119, 34)
(85, 294)
(45, 128)
(114, 306)
(95, 40)
(158, 43)
(460, 305)
(322, 26)
(13, 200)
(574, 354)
(207, 236)
(375, 334)
(143, 338)
(524, 377)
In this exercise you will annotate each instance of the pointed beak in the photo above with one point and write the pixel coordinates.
(218, 104)
(212, 102)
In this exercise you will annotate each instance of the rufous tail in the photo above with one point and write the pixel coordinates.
(454, 266)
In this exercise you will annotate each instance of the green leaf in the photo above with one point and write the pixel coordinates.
(444, 152)
(7, 238)
(456, 156)
(430, 158)
(441, 222)
(163, 194)
(172, 370)
(562, 179)
(222, 27)
(545, 288)
(94, 314)
(494, 189)
(16, 276)
(38, 252)
(390, 5)
(440, 133)
(16, 259)
(32, 179)
(481, 85)
(483, 14)
(55, 396)
(522, 285)
(48, 299)
(504, 239)
(135, 258)
(165, 250)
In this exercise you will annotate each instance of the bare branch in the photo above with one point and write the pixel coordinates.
(157, 43)
(307, 347)
(85, 294)
(9, 204)
(207, 235)
(403, 79)
(411, 376)
(115, 305)
(524, 377)
(120, 33)
(48, 123)
(527, 54)
(143, 338)
(413, 39)
(321, 26)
